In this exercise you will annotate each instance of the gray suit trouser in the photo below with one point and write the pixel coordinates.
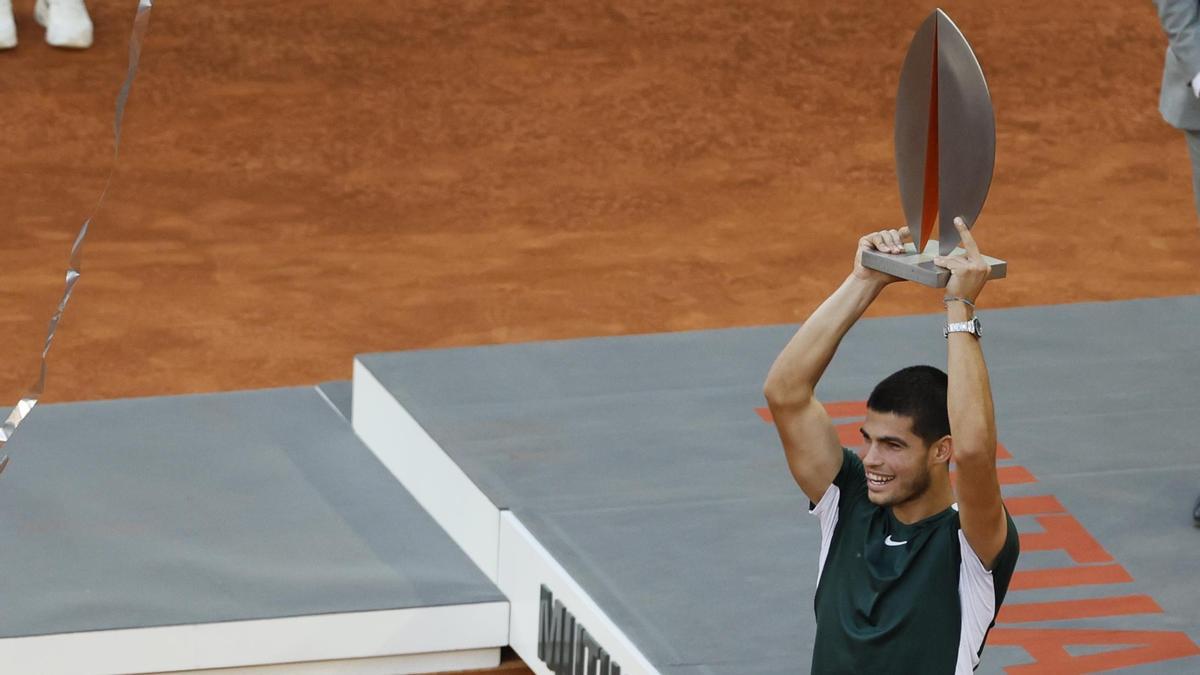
(1179, 106)
(1193, 141)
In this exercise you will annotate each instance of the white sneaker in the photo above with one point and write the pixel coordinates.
(67, 23)
(8, 28)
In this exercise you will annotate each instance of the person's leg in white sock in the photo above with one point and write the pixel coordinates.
(67, 23)
(8, 28)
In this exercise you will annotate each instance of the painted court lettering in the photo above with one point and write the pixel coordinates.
(1048, 648)
(1090, 608)
(1064, 577)
(1063, 532)
(1094, 567)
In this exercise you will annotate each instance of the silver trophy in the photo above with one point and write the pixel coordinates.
(945, 151)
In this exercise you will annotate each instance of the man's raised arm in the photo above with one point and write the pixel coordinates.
(969, 402)
(809, 438)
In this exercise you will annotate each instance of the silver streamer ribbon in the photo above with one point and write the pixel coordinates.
(23, 407)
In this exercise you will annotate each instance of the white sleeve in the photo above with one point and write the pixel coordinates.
(977, 597)
(827, 511)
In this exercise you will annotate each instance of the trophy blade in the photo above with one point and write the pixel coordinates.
(915, 101)
(966, 133)
(945, 147)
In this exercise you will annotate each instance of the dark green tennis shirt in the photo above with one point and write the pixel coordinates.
(895, 598)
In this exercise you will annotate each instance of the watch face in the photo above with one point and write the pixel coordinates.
(977, 326)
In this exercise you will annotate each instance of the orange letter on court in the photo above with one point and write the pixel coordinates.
(1048, 648)
(1063, 532)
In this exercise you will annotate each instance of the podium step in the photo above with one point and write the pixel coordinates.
(510, 664)
(235, 531)
(630, 489)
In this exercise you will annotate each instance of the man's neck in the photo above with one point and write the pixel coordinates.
(936, 499)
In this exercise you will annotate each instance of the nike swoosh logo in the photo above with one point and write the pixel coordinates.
(892, 542)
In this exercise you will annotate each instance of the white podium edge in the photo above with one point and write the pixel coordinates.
(525, 566)
(425, 470)
(264, 642)
(494, 538)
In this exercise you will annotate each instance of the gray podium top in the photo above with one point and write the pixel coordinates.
(642, 466)
(197, 509)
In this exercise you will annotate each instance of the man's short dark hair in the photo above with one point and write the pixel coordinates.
(919, 393)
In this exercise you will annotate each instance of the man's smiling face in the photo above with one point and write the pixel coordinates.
(898, 462)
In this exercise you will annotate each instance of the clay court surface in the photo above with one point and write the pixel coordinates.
(303, 181)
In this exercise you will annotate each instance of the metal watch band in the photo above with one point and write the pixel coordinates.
(971, 326)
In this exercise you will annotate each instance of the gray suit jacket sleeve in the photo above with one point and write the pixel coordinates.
(1181, 21)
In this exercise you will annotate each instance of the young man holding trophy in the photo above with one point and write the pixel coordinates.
(911, 577)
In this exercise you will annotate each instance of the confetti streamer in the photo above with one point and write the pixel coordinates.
(30, 400)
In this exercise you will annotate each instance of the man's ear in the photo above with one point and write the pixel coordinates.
(943, 450)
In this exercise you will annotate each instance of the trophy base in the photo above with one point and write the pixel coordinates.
(919, 267)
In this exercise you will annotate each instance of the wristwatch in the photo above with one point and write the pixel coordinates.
(972, 327)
